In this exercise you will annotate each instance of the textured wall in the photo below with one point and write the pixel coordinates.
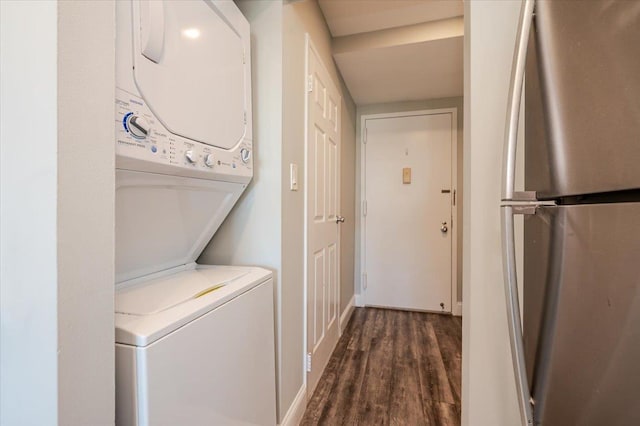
(252, 233)
(57, 226)
(86, 199)
(28, 204)
(488, 387)
(266, 227)
(301, 18)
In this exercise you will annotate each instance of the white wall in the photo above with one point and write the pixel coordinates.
(57, 203)
(28, 203)
(86, 199)
(301, 18)
(348, 200)
(252, 233)
(266, 227)
(404, 107)
(488, 387)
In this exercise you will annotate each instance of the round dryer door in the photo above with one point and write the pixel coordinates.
(191, 67)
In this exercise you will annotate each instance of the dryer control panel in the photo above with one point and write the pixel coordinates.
(144, 144)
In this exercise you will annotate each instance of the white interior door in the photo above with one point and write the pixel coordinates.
(408, 217)
(322, 204)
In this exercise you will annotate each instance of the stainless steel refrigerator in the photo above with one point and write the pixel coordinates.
(576, 353)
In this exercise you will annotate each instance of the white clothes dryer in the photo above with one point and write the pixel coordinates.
(194, 343)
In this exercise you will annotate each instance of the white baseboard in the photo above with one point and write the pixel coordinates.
(457, 309)
(346, 314)
(296, 410)
(359, 300)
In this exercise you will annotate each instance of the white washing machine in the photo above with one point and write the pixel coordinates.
(194, 343)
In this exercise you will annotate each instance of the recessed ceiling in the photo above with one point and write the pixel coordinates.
(397, 50)
(428, 70)
(346, 17)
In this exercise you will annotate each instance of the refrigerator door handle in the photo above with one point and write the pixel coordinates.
(513, 101)
(507, 212)
(513, 309)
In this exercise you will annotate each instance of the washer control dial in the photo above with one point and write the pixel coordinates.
(245, 154)
(209, 160)
(137, 126)
(190, 156)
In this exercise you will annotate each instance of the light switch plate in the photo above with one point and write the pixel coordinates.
(293, 175)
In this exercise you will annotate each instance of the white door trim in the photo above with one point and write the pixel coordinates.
(456, 307)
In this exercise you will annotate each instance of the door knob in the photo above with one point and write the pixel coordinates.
(339, 219)
(444, 227)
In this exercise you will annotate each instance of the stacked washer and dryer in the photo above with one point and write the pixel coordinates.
(194, 343)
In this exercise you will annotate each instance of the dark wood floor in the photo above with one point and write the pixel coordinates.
(392, 368)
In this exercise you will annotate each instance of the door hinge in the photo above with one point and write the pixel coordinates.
(454, 197)
(364, 208)
(245, 117)
(364, 280)
(364, 139)
(309, 362)
(244, 61)
(310, 83)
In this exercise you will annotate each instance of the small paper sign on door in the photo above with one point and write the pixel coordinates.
(406, 175)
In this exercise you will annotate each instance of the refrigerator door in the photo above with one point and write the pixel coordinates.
(582, 313)
(582, 98)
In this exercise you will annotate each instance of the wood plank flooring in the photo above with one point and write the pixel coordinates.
(392, 368)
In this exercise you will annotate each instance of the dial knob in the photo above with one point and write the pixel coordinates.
(138, 126)
(190, 156)
(245, 154)
(208, 160)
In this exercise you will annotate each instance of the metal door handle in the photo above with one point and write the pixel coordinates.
(444, 227)
(339, 219)
(508, 194)
(152, 29)
(514, 100)
(513, 313)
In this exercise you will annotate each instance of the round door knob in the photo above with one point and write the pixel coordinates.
(138, 126)
(245, 155)
(339, 219)
(444, 227)
(209, 160)
(190, 156)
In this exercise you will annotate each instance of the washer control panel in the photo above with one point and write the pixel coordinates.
(143, 143)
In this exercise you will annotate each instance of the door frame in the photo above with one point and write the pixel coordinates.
(310, 46)
(456, 308)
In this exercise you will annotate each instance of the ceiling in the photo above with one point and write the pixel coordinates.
(397, 50)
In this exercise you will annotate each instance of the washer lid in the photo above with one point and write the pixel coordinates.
(171, 291)
(164, 221)
(191, 67)
(154, 308)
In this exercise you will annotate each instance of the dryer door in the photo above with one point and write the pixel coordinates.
(191, 67)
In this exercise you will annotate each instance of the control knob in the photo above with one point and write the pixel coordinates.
(190, 156)
(245, 154)
(137, 126)
(208, 160)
